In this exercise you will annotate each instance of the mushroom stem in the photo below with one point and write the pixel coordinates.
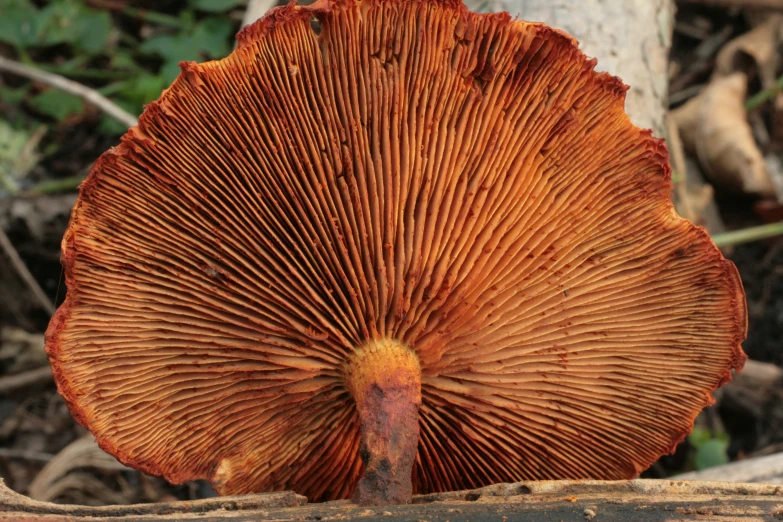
(385, 380)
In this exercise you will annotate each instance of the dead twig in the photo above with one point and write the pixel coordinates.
(32, 456)
(24, 272)
(619, 500)
(81, 453)
(24, 379)
(89, 95)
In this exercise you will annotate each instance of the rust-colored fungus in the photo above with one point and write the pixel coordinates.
(412, 244)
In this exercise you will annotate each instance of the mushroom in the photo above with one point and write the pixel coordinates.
(406, 249)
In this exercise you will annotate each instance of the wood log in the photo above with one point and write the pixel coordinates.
(767, 469)
(638, 500)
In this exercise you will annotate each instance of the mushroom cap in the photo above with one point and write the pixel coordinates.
(466, 184)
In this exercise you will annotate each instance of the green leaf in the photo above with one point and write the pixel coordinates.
(72, 22)
(123, 60)
(170, 71)
(143, 89)
(74, 64)
(111, 127)
(215, 6)
(712, 453)
(94, 28)
(108, 126)
(61, 21)
(56, 22)
(171, 48)
(12, 96)
(699, 436)
(19, 21)
(57, 104)
(209, 38)
(212, 36)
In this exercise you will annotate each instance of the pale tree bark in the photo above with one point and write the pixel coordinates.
(630, 38)
(256, 9)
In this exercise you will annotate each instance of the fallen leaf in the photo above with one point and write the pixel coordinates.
(753, 53)
(714, 126)
(81, 453)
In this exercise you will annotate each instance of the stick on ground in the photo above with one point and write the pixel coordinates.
(89, 95)
(24, 272)
(22, 380)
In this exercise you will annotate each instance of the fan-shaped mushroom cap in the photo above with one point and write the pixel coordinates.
(462, 186)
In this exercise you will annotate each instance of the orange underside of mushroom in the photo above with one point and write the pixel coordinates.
(414, 239)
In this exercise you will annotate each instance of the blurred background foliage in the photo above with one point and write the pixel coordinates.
(124, 50)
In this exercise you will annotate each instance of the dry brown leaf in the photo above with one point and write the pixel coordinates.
(81, 453)
(691, 196)
(714, 127)
(754, 53)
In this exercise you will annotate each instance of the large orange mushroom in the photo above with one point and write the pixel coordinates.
(409, 249)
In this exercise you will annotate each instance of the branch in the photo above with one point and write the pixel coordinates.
(89, 95)
(24, 272)
(12, 383)
(20, 454)
(547, 499)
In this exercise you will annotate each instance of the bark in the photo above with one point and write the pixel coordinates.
(767, 469)
(256, 9)
(640, 500)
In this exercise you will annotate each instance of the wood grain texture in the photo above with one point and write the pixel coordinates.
(547, 501)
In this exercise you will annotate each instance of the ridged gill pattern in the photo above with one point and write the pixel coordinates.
(463, 183)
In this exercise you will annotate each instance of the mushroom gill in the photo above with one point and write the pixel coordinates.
(443, 215)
